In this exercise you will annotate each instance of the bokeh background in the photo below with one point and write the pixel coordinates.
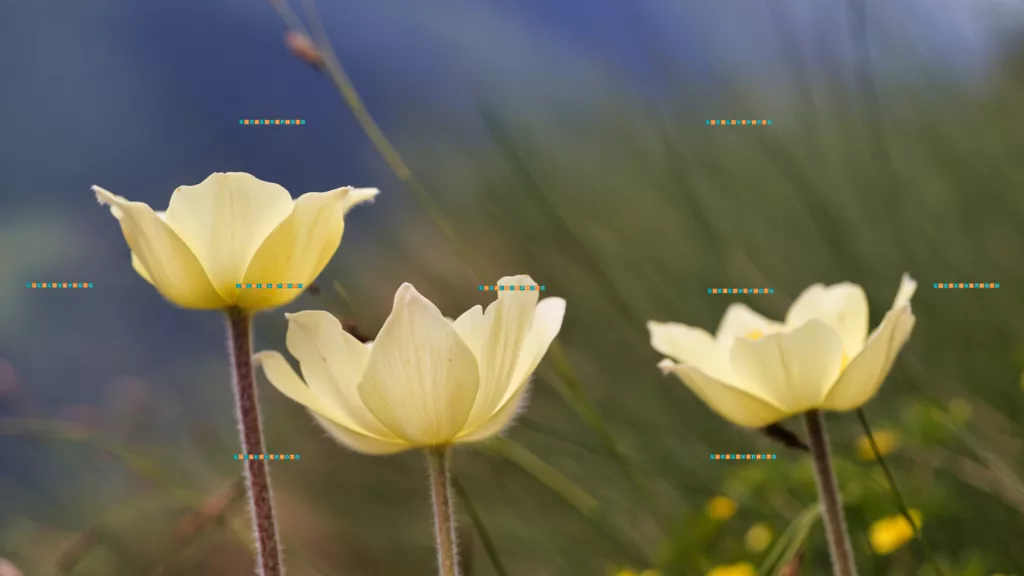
(566, 140)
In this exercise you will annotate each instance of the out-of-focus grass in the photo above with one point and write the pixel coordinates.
(631, 213)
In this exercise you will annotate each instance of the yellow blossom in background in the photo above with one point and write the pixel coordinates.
(740, 569)
(892, 532)
(758, 537)
(230, 230)
(721, 508)
(755, 371)
(427, 380)
(886, 440)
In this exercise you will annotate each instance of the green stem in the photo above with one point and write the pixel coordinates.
(257, 475)
(438, 460)
(831, 502)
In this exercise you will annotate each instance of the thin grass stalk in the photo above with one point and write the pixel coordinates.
(897, 495)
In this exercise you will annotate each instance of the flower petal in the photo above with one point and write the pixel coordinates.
(422, 379)
(332, 363)
(905, 292)
(865, 374)
(739, 321)
(360, 442)
(547, 321)
(843, 306)
(472, 327)
(224, 219)
(693, 346)
(735, 405)
(504, 328)
(498, 421)
(169, 264)
(284, 378)
(301, 245)
(793, 369)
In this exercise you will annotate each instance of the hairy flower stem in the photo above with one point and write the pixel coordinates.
(831, 502)
(256, 473)
(444, 520)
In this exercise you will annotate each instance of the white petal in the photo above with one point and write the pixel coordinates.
(505, 326)
(735, 405)
(422, 379)
(284, 378)
(693, 346)
(794, 370)
(905, 292)
(472, 327)
(300, 247)
(547, 322)
(740, 321)
(842, 306)
(360, 442)
(865, 374)
(161, 256)
(332, 363)
(498, 421)
(224, 219)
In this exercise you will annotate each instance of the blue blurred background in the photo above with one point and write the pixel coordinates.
(566, 140)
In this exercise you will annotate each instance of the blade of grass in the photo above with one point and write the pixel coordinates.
(569, 491)
(1011, 482)
(790, 542)
(481, 529)
(572, 391)
(897, 495)
(336, 72)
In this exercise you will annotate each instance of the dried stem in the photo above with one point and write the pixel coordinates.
(831, 502)
(257, 475)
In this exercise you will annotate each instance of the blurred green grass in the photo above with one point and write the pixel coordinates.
(630, 213)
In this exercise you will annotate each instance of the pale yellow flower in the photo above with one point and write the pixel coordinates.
(740, 569)
(720, 508)
(891, 533)
(758, 537)
(757, 371)
(427, 380)
(886, 440)
(231, 230)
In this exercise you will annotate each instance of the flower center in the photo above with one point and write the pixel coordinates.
(755, 335)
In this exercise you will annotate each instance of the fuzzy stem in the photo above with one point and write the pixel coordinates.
(831, 501)
(444, 520)
(256, 471)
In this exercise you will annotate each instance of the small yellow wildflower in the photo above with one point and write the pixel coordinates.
(887, 441)
(721, 508)
(741, 569)
(758, 537)
(892, 532)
